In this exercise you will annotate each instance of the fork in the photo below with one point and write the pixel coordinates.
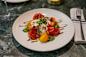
(78, 15)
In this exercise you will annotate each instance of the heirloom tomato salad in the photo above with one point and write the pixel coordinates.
(42, 28)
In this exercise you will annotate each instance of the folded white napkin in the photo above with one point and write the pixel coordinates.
(77, 36)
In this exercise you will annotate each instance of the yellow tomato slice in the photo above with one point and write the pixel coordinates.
(44, 37)
(29, 26)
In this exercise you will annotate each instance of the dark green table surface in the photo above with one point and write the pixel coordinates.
(9, 47)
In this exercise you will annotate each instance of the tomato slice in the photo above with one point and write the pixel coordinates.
(38, 15)
(56, 31)
(33, 34)
(53, 31)
(52, 19)
(52, 24)
(50, 29)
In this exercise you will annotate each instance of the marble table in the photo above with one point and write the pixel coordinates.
(9, 47)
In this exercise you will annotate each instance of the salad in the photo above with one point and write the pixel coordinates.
(42, 28)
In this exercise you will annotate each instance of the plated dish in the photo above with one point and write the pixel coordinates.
(41, 29)
(15, 1)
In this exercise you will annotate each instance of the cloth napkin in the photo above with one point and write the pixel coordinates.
(77, 37)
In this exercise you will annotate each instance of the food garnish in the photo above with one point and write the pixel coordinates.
(42, 28)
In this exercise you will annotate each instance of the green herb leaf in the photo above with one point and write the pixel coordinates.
(51, 38)
(57, 26)
(39, 22)
(39, 31)
(42, 21)
(25, 30)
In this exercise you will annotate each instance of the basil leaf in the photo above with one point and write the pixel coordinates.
(39, 22)
(51, 38)
(42, 21)
(25, 30)
(57, 26)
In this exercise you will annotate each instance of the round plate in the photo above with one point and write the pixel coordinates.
(60, 41)
(15, 1)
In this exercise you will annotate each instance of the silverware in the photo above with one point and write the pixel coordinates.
(78, 15)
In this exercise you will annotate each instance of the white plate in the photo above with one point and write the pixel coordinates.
(15, 1)
(59, 41)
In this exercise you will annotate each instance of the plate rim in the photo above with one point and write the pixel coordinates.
(15, 1)
(47, 50)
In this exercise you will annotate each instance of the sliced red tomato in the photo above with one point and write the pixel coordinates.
(56, 31)
(52, 24)
(33, 34)
(38, 15)
(53, 31)
(52, 19)
(50, 29)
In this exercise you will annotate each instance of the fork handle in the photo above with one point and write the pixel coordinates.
(82, 33)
